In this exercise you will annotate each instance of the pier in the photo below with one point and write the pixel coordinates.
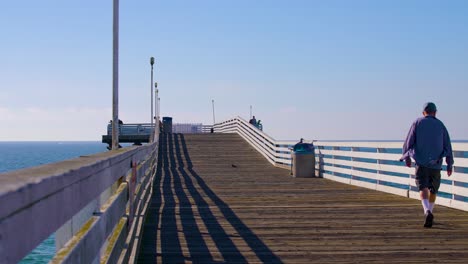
(228, 197)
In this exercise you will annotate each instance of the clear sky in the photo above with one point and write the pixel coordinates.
(313, 69)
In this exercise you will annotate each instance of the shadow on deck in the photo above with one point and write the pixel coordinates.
(216, 200)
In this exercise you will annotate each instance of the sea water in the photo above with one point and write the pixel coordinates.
(20, 155)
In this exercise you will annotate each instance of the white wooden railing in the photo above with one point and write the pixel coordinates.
(94, 204)
(373, 165)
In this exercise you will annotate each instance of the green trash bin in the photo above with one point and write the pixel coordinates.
(303, 160)
(167, 124)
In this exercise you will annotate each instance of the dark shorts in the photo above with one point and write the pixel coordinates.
(428, 178)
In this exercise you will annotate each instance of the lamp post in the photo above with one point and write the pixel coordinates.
(115, 77)
(151, 88)
(212, 102)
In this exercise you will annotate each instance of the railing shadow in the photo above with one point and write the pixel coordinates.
(195, 241)
(151, 223)
(180, 198)
(216, 231)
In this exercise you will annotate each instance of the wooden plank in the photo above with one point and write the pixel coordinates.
(205, 210)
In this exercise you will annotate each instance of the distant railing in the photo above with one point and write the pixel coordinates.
(146, 128)
(277, 152)
(373, 165)
(95, 205)
(132, 129)
(191, 128)
(184, 128)
(206, 128)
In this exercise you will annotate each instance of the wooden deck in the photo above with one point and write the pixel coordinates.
(216, 200)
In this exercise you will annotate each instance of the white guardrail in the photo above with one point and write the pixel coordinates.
(373, 165)
(94, 204)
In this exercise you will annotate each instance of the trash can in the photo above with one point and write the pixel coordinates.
(167, 124)
(303, 160)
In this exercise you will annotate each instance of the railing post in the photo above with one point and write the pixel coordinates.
(131, 192)
(334, 158)
(379, 150)
(353, 149)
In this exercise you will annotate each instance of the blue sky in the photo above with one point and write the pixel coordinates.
(312, 69)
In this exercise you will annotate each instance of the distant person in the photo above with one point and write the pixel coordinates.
(120, 122)
(253, 121)
(428, 142)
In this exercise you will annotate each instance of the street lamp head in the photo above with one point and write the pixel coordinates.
(152, 61)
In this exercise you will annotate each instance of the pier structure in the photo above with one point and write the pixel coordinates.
(228, 197)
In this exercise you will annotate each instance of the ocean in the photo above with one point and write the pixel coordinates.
(20, 155)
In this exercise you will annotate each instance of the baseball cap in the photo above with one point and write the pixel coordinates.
(430, 107)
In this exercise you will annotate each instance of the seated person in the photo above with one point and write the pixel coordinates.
(253, 121)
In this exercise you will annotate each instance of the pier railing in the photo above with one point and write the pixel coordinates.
(277, 152)
(373, 165)
(133, 129)
(147, 128)
(94, 205)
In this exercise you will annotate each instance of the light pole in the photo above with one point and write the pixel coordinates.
(115, 77)
(250, 111)
(212, 102)
(151, 88)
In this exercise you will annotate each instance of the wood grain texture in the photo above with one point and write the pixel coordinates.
(217, 200)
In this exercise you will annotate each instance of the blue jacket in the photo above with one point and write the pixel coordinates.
(428, 142)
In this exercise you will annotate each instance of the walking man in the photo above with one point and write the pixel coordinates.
(428, 142)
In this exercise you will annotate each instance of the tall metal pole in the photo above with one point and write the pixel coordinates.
(212, 101)
(151, 90)
(250, 111)
(115, 78)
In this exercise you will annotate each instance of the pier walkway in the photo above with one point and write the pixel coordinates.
(216, 199)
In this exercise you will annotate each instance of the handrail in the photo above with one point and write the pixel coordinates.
(373, 165)
(276, 152)
(92, 203)
(147, 128)
(133, 129)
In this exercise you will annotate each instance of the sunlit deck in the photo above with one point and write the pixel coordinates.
(216, 199)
